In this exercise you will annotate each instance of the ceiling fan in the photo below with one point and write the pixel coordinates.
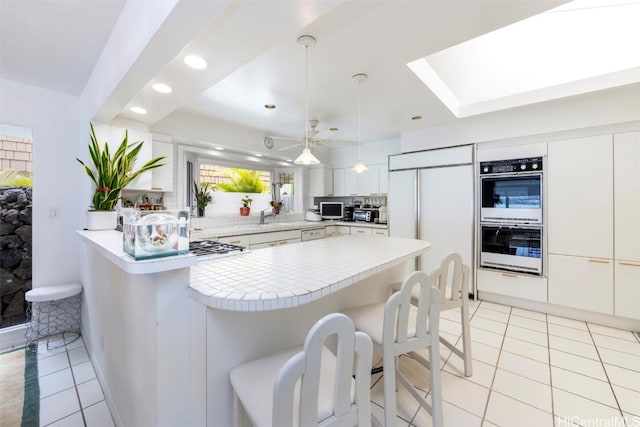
(316, 139)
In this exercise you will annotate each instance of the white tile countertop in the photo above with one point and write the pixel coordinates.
(242, 229)
(293, 275)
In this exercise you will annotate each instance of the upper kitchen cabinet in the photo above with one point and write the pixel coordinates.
(320, 182)
(580, 197)
(162, 177)
(349, 183)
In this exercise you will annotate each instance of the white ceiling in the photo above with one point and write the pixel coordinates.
(254, 58)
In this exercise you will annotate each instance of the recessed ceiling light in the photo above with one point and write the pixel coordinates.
(195, 62)
(162, 88)
(269, 106)
(219, 148)
(253, 159)
(258, 155)
(289, 160)
(416, 118)
(138, 110)
(333, 129)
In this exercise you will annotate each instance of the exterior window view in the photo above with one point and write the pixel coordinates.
(301, 213)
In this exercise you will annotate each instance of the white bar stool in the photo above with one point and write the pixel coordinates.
(398, 327)
(53, 310)
(309, 386)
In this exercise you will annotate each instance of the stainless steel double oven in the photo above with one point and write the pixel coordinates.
(511, 220)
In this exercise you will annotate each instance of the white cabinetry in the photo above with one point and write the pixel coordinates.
(344, 182)
(626, 150)
(383, 178)
(368, 182)
(337, 230)
(580, 223)
(320, 182)
(580, 197)
(514, 285)
(278, 238)
(360, 231)
(162, 177)
(244, 241)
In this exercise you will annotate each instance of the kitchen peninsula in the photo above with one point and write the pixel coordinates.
(189, 325)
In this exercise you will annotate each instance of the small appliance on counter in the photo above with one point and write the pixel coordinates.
(365, 215)
(313, 216)
(348, 213)
(156, 235)
(382, 215)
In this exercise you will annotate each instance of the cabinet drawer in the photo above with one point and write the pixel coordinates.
(360, 231)
(580, 282)
(627, 289)
(379, 232)
(513, 285)
(275, 236)
(274, 243)
(235, 240)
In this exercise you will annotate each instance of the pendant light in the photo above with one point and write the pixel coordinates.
(306, 158)
(360, 166)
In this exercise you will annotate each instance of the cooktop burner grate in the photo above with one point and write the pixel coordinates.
(211, 247)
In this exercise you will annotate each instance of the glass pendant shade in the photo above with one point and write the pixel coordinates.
(359, 167)
(306, 158)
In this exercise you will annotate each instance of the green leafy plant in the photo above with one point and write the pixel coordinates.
(112, 173)
(246, 201)
(13, 178)
(243, 181)
(203, 196)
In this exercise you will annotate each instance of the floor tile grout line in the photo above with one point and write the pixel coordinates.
(75, 384)
(606, 375)
(493, 379)
(553, 403)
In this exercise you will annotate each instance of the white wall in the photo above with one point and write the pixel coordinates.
(618, 105)
(59, 136)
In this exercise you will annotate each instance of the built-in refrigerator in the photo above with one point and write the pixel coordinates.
(431, 197)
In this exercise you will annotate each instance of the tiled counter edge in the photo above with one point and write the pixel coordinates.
(109, 244)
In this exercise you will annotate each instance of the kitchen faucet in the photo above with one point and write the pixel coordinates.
(263, 215)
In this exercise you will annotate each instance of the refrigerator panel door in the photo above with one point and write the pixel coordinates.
(446, 213)
(401, 200)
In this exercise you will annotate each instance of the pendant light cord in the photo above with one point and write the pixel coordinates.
(306, 96)
(359, 124)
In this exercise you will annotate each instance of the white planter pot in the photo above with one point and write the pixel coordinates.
(102, 220)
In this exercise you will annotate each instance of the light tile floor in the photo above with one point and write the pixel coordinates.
(530, 369)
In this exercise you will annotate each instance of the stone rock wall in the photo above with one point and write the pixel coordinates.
(15, 253)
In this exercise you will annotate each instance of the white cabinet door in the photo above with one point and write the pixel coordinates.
(338, 183)
(350, 183)
(580, 197)
(360, 231)
(582, 283)
(383, 178)
(401, 201)
(627, 295)
(446, 213)
(320, 182)
(379, 232)
(244, 240)
(162, 177)
(626, 148)
(512, 284)
(368, 181)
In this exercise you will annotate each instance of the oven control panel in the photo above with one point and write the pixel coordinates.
(529, 164)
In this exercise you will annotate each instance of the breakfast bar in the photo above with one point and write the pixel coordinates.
(193, 324)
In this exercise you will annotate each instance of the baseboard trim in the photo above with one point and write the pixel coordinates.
(557, 310)
(12, 337)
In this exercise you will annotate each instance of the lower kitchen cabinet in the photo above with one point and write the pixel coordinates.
(360, 231)
(277, 238)
(582, 283)
(511, 284)
(243, 241)
(337, 230)
(627, 289)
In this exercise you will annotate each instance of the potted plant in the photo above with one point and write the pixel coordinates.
(245, 210)
(111, 173)
(276, 206)
(203, 196)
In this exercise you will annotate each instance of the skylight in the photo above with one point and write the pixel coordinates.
(579, 47)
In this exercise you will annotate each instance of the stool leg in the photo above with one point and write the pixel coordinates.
(389, 384)
(466, 338)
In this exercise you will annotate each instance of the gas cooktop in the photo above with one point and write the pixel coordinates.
(213, 248)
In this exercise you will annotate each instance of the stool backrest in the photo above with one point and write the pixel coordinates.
(451, 278)
(353, 353)
(397, 326)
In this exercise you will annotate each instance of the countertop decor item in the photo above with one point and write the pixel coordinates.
(111, 173)
(245, 209)
(156, 235)
(203, 196)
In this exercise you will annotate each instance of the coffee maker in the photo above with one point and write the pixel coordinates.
(348, 213)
